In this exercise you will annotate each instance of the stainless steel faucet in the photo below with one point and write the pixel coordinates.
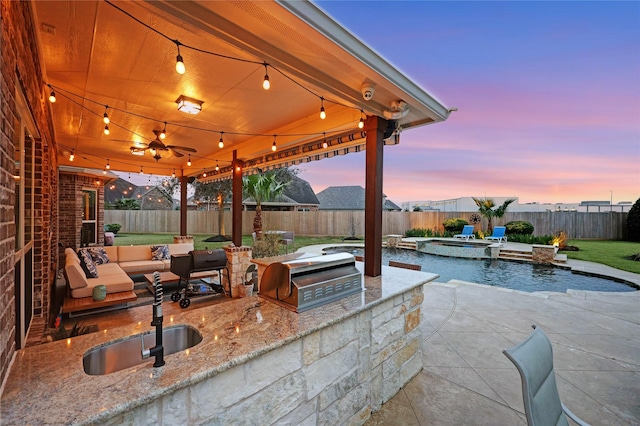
(158, 350)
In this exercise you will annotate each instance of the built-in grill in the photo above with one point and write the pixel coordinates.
(306, 283)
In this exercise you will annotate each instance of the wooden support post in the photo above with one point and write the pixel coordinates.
(236, 204)
(183, 204)
(375, 128)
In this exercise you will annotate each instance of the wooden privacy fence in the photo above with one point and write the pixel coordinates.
(605, 225)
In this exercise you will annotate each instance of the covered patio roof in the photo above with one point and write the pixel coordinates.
(119, 57)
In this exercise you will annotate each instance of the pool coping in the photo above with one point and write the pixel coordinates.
(576, 266)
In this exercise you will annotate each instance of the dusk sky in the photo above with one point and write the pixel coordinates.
(548, 96)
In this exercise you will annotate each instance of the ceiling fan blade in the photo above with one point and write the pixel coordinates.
(157, 145)
(182, 148)
(176, 153)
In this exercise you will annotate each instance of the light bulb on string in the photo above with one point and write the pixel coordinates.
(72, 156)
(361, 122)
(174, 173)
(106, 129)
(217, 167)
(325, 145)
(108, 166)
(52, 96)
(221, 142)
(180, 68)
(323, 114)
(141, 172)
(163, 133)
(274, 147)
(104, 171)
(266, 85)
(189, 160)
(105, 117)
(204, 173)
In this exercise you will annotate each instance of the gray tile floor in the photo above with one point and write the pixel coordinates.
(468, 381)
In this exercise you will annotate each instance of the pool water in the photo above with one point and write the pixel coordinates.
(500, 273)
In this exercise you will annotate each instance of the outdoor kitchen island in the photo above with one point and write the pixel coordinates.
(258, 363)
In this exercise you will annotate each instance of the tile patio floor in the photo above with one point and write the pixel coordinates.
(468, 381)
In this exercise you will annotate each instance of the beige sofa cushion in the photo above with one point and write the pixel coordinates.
(114, 284)
(70, 254)
(109, 269)
(75, 274)
(112, 252)
(142, 266)
(133, 253)
(180, 248)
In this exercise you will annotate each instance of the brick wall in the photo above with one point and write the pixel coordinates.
(70, 199)
(20, 68)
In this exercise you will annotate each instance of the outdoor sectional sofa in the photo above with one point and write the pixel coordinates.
(113, 272)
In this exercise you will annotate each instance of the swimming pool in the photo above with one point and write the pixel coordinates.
(500, 273)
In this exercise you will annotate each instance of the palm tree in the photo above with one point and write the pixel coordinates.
(486, 209)
(262, 187)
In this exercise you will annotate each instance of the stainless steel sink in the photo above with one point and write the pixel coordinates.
(116, 356)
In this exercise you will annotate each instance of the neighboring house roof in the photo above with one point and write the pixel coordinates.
(348, 198)
(297, 192)
(118, 189)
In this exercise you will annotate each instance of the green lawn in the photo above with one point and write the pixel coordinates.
(612, 253)
(199, 243)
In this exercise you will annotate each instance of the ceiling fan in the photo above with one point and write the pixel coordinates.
(156, 145)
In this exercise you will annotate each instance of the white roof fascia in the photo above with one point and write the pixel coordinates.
(323, 23)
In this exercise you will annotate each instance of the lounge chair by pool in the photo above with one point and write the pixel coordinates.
(498, 234)
(467, 232)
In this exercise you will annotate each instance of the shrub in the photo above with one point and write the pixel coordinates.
(423, 232)
(530, 239)
(518, 227)
(454, 225)
(112, 227)
(633, 222)
(267, 246)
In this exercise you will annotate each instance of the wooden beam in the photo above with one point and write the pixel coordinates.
(236, 203)
(375, 128)
(183, 204)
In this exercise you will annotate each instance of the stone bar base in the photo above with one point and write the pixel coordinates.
(336, 375)
(238, 260)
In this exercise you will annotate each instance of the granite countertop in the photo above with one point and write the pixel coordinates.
(47, 384)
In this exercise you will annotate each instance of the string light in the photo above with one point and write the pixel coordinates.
(266, 85)
(141, 172)
(72, 156)
(274, 147)
(52, 96)
(221, 142)
(108, 166)
(189, 160)
(361, 123)
(104, 171)
(217, 167)
(105, 117)
(180, 68)
(174, 173)
(323, 114)
(106, 129)
(163, 133)
(204, 173)
(325, 145)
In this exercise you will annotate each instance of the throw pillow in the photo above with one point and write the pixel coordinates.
(99, 255)
(160, 252)
(87, 264)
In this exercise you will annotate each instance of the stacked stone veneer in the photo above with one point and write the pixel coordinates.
(20, 70)
(543, 254)
(238, 260)
(336, 375)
